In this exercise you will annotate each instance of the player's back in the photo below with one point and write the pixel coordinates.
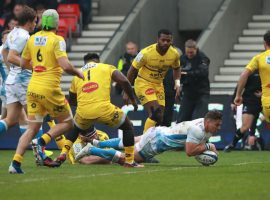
(96, 87)
(44, 48)
(262, 62)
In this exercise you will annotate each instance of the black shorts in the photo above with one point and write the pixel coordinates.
(253, 109)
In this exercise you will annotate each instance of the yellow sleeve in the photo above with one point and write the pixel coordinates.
(112, 69)
(177, 61)
(60, 48)
(26, 53)
(139, 61)
(73, 86)
(253, 64)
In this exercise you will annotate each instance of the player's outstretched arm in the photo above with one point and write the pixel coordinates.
(119, 78)
(241, 85)
(193, 149)
(176, 77)
(69, 68)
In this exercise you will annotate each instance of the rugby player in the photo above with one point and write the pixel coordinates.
(47, 53)
(149, 69)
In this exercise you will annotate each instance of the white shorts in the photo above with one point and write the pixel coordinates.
(156, 140)
(147, 146)
(16, 93)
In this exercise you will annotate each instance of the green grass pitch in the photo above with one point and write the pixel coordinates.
(237, 175)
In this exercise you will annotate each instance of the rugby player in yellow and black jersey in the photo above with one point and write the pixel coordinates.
(92, 96)
(149, 69)
(45, 54)
(259, 62)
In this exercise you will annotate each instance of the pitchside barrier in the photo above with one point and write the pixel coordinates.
(10, 139)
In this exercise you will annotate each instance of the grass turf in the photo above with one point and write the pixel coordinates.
(237, 175)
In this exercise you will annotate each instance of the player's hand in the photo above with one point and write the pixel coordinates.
(258, 94)
(238, 100)
(233, 107)
(213, 148)
(135, 105)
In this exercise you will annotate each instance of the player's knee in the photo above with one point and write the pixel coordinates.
(127, 125)
(157, 115)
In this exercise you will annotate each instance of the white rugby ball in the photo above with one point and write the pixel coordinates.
(207, 158)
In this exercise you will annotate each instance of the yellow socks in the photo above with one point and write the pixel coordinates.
(46, 138)
(18, 158)
(129, 154)
(67, 146)
(60, 141)
(149, 123)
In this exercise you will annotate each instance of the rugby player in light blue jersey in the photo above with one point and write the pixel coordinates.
(193, 135)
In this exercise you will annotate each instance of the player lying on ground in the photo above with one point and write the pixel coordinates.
(191, 134)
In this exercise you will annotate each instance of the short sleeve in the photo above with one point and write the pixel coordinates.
(195, 135)
(73, 86)
(253, 64)
(18, 44)
(139, 60)
(176, 63)
(26, 53)
(111, 69)
(60, 48)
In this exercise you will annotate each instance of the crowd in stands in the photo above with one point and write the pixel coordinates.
(10, 8)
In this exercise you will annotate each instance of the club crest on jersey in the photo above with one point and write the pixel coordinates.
(150, 91)
(268, 59)
(89, 87)
(40, 41)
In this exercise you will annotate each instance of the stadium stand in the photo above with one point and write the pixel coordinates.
(249, 44)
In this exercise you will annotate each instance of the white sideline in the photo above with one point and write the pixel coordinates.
(120, 173)
(101, 174)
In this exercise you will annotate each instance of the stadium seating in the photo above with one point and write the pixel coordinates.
(69, 9)
(2, 22)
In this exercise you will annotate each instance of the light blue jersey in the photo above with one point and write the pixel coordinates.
(159, 139)
(4, 74)
(16, 41)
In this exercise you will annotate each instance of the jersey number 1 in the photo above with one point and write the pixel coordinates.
(88, 75)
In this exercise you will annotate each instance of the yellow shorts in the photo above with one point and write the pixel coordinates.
(109, 115)
(266, 108)
(147, 91)
(41, 102)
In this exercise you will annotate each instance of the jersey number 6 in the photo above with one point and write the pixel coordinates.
(39, 56)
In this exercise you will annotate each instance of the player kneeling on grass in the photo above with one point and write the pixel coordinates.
(191, 134)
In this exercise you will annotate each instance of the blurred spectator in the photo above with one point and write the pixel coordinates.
(18, 7)
(40, 8)
(10, 22)
(196, 87)
(6, 7)
(125, 61)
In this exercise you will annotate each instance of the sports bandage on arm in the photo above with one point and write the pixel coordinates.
(177, 82)
(207, 146)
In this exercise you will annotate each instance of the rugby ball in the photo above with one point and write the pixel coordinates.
(207, 158)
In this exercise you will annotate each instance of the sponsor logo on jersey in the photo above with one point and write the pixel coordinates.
(62, 45)
(40, 41)
(150, 91)
(268, 59)
(90, 87)
(40, 69)
(139, 57)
